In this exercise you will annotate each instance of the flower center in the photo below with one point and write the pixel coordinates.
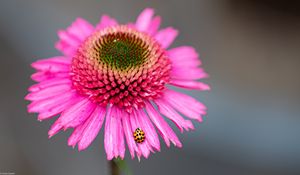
(120, 66)
(122, 51)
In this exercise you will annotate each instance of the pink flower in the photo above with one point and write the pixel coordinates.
(116, 75)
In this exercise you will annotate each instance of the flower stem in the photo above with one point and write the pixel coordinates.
(114, 169)
(119, 165)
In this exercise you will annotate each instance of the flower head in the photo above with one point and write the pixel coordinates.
(118, 74)
(120, 66)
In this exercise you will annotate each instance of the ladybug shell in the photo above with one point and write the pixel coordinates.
(139, 135)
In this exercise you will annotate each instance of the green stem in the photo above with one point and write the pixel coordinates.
(118, 165)
(114, 169)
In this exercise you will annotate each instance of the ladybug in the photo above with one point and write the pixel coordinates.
(139, 135)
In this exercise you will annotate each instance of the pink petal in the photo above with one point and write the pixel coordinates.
(77, 114)
(143, 147)
(146, 23)
(109, 135)
(43, 76)
(84, 134)
(106, 21)
(190, 85)
(65, 48)
(78, 132)
(185, 104)
(59, 107)
(113, 136)
(120, 135)
(149, 129)
(76, 135)
(80, 29)
(49, 83)
(48, 92)
(51, 66)
(185, 64)
(65, 36)
(188, 73)
(129, 135)
(93, 128)
(72, 37)
(48, 103)
(182, 54)
(144, 19)
(169, 112)
(166, 132)
(154, 26)
(67, 44)
(55, 128)
(166, 36)
(53, 60)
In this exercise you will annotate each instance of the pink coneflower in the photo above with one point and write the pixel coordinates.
(118, 74)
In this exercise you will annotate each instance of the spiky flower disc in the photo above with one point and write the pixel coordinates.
(120, 66)
(116, 75)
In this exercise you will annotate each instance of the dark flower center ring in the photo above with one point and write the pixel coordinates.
(120, 66)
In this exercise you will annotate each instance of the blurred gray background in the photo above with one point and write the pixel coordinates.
(251, 49)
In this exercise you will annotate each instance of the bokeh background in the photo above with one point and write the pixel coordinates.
(250, 48)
